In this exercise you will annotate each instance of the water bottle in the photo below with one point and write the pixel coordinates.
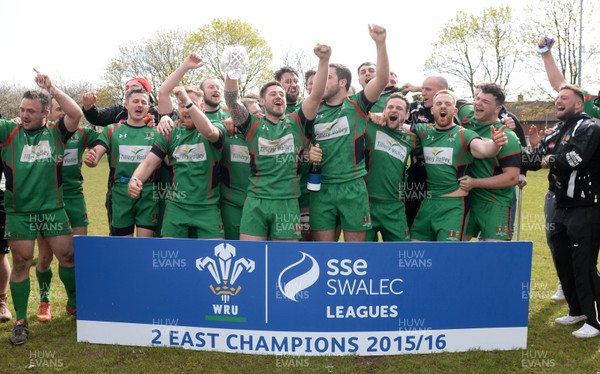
(314, 177)
(545, 48)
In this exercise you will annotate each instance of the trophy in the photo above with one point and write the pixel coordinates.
(234, 62)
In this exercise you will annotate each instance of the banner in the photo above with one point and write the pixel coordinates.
(303, 298)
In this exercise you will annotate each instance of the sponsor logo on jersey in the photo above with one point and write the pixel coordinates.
(330, 130)
(279, 146)
(438, 155)
(71, 157)
(239, 153)
(33, 153)
(133, 153)
(190, 153)
(389, 145)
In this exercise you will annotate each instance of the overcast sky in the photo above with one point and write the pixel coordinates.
(73, 41)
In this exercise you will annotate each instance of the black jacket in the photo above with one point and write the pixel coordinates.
(532, 160)
(575, 164)
(113, 114)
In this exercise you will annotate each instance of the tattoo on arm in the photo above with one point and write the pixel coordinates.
(238, 111)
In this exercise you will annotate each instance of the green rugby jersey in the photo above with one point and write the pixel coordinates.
(81, 139)
(235, 170)
(274, 150)
(194, 162)
(387, 153)
(127, 146)
(509, 155)
(447, 156)
(340, 132)
(32, 163)
(218, 115)
(293, 108)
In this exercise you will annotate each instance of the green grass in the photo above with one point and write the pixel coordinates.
(561, 352)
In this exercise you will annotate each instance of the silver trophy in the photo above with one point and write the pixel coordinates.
(234, 62)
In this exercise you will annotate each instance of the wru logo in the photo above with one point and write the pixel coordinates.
(300, 283)
(226, 272)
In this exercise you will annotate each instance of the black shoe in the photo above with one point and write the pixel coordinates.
(19, 332)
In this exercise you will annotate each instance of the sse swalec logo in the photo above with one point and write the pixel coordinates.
(300, 282)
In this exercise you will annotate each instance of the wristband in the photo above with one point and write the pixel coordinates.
(189, 105)
(134, 179)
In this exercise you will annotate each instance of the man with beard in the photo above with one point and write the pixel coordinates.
(288, 77)
(275, 142)
(448, 150)
(420, 112)
(573, 229)
(388, 149)
(591, 103)
(339, 132)
(32, 153)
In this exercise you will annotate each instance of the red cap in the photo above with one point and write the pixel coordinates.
(144, 82)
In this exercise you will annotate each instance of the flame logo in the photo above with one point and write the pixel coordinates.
(301, 282)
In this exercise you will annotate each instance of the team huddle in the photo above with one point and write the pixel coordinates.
(437, 170)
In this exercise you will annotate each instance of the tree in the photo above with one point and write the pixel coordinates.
(476, 49)
(211, 40)
(153, 59)
(561, 20)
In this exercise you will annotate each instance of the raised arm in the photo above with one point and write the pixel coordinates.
(238, 111)
(202, 123)
(556, 78)
(165, 105)
(310, 105)
(72, 111)
(374, 88)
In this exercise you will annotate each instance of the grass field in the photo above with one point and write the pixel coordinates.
(551, 348)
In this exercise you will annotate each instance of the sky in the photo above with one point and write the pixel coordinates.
(74, 43)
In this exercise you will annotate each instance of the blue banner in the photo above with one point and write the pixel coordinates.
(303, 298)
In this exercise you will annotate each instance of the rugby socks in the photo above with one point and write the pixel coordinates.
(67, 276)
(44, 280)
(20, 295)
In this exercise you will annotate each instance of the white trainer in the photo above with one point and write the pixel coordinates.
(559, 294)
(586, 331)
(570, 320)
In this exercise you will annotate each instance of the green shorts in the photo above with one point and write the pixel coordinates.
(128, 213)
(304, 200)
(440, 219)
(194, 222)
(345, 204)
(278, 219)
(231, 216)
(76, 211)
(161, 214)
(388, 218)
(489, 221)
(25, 226)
